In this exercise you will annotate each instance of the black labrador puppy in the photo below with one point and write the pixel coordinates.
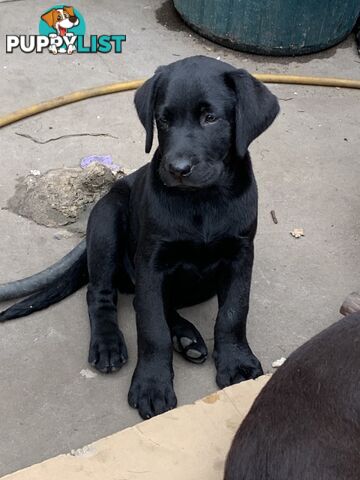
(305, 424)
(181, 229)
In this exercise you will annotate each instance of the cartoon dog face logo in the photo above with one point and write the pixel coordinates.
(61, 19)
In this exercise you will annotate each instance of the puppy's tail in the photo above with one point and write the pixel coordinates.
(28, 285)
(47, 287)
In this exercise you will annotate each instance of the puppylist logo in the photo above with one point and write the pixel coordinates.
(62, 30)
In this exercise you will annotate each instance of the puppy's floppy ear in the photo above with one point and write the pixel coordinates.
(256, 108)
(145, 99)
(49, 17)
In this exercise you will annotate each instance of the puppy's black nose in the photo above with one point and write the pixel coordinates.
(73, 19)
(180, 168)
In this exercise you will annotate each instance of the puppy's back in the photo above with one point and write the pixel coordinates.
(305, 424)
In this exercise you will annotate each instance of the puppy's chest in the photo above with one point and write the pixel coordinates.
(197, 255)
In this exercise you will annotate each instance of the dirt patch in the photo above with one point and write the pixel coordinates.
(62, 197)
(167, 16)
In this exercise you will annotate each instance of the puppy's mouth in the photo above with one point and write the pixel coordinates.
(181, 182)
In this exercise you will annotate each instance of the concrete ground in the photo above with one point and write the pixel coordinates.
(307, 167)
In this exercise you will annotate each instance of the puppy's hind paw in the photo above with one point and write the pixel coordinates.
(188, 341)
(190, 348)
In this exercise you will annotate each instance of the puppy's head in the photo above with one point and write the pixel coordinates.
(207, 113)
(62, 17)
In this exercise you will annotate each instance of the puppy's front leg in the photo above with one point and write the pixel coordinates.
(234, 359)
(151, 390)
(106, 239)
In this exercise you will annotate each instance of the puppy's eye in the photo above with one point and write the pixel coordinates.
(66, 15)
(210, 118)
(59, 17)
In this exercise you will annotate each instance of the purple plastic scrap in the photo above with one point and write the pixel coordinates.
(103, 159)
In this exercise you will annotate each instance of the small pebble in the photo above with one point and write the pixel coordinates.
(279, 362)
(62, 234)
(297, 232)
(87, 451)
(86, 373)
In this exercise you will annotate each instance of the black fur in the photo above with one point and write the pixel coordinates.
(305, 424)
(181, 229)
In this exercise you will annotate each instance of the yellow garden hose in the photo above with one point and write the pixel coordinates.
(300, 80)
(124, 86)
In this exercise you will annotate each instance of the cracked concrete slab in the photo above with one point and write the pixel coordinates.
(307, 168)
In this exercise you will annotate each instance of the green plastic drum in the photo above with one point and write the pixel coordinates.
(272, 27)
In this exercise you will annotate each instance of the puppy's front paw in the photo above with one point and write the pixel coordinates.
(151, 392)
(108, 352)
(235, 363)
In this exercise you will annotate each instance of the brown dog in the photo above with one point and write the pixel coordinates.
(61, 19)
(305, 424)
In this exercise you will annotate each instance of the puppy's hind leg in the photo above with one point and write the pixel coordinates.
(106, 240)
(184, 292)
